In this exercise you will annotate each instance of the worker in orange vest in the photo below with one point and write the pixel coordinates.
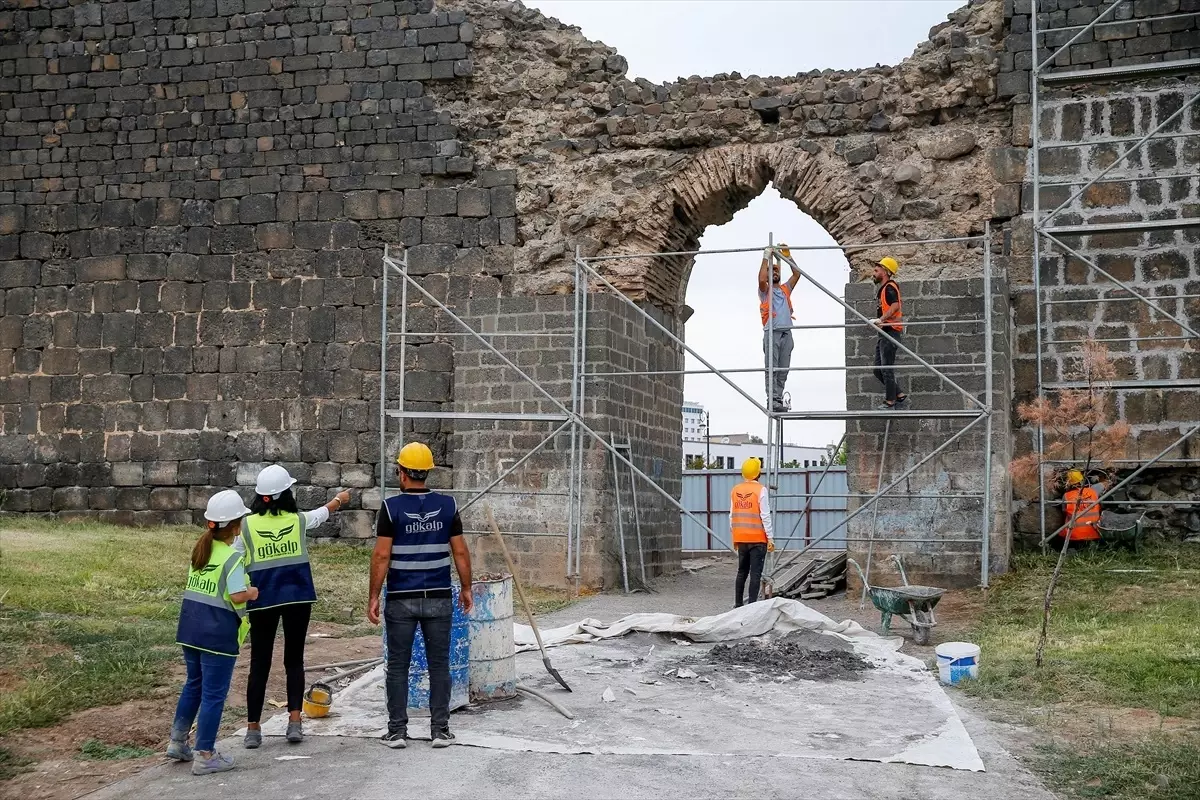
(750, 525)
(888, 319)
(775, 309)
(1082, 509)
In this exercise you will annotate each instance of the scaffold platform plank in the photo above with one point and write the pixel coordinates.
(1128, 72)
(480, 416)
(881, 413)
(1135, 226)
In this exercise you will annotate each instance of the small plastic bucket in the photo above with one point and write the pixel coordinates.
(956, 661)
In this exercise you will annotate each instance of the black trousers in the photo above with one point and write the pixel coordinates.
(750, 564)
(263, 626)
(402, 615)
(885, 360)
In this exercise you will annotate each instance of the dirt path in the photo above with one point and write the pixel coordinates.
(61, 774)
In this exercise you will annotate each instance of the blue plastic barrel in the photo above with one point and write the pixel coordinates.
(460, 664)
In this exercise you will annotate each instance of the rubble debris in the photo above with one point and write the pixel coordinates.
(805, 655)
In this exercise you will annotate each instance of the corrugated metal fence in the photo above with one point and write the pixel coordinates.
(706, 494)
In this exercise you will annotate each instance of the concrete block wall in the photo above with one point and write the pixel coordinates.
(942, 522)
(1163, 265)
(533, 502)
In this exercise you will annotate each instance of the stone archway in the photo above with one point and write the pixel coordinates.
(718, 183)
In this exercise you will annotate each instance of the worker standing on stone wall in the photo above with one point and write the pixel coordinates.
(888, 318)
(275, 541)
(775, 308)
(750, 527)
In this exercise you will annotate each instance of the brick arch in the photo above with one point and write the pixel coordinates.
(721, 181)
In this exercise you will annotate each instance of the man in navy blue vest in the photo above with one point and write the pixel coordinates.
(418, 534)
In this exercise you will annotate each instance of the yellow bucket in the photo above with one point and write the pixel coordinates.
(317, 700)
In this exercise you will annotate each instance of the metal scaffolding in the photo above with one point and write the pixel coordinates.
(569, 420)
(1050, 230)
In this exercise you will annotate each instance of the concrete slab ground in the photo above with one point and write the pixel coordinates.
(358, 768)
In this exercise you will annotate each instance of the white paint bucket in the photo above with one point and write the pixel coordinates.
(956, 661)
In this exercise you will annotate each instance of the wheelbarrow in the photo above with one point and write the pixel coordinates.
(1121, 529)
(914, 604)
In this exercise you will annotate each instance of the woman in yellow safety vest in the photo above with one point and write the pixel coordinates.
(212, 627)
(275, 541)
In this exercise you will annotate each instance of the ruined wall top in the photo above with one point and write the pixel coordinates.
(612, 165)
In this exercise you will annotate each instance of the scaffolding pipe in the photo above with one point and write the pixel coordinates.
(989, 346)
(807, 506)
(899, 344)
(871, 502)
(575, 381)
(842, 247)
(1098, 20)
(383, 460)
(1184, 107)
(1118, 299)
(752, 370)
(669, 334)
(887, 429)
(1035, 140)
(1108, 492)
(513, 468)
(1120, 283)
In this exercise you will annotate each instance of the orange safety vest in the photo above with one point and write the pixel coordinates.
(1083, 528)
(745, 522)
(764, 305)
(885, 306)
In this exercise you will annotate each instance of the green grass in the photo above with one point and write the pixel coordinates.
(1119, 639)
(89, 611)
(96, 750)
(1128, 639)
(1160, 767)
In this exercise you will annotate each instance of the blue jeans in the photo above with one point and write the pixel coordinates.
(435, 615)
(208, 677)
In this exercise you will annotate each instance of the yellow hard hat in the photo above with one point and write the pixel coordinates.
(415, 455)
(1074, 477)
(317, 700)
(890, 264)
(751, 468)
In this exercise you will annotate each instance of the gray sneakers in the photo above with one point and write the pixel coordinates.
(295, 733)
(253, 739)
(179, 749)
(215, 762)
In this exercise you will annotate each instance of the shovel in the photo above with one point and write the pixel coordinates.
(521, 594)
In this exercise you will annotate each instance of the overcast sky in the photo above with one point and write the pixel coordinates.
(667, 39)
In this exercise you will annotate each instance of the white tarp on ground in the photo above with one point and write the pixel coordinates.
(895, 712)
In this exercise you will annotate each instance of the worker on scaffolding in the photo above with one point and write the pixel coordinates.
(775, 308)
(750, 527)
(888, 319)
(1082, 507)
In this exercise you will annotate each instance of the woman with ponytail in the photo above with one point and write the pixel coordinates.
(275, 541)
(212, 627)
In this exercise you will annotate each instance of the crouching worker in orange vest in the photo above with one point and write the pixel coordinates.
(750, 524)
(212, 628)
(1082, 509)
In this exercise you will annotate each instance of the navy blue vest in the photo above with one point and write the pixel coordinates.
(420, 541)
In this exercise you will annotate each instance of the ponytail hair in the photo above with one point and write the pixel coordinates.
(202, 552)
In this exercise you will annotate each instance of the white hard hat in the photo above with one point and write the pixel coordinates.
(272, 481)
(225, 506)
